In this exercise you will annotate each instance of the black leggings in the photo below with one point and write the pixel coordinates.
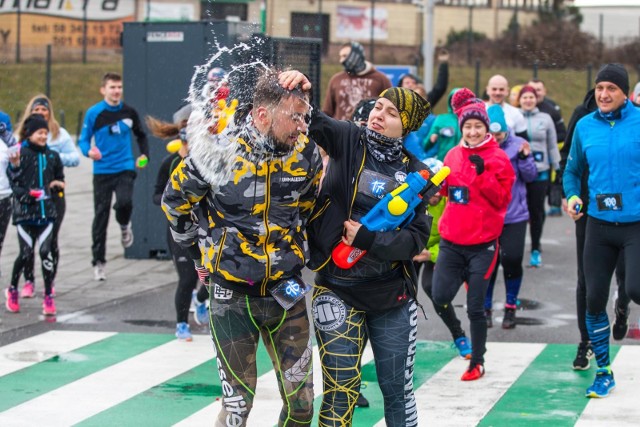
(5, 217)
(446, 313)
(536, 194)
(604, 242)
(104, 186)
(61, 207)
(510, 257)
(187, 279)
(474, 263)
(28, 236)
(581, 287)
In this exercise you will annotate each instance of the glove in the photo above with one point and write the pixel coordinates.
(203, 274)
(478, 162)
(522, 156)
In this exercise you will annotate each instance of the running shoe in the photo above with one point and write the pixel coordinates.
(603, 384)
(28, 291)
(127, 236)
(473, 372)
(201, 315)
(509, 319)
(464, 347)
(12, 304)
(584, 354)
(362, 401)
(48, 306)
(621, 324)
(536, 259)
(98, 272)
(183, 332)
(489, 315)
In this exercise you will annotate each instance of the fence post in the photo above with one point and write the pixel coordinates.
(78, 126)
(477, 87)
(47, 83)
(589, 72)
(535, 69)
(62, 119)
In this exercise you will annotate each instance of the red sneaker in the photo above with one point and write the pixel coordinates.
(12, 303)
(28, 291)
(48, 306)
(474, 372)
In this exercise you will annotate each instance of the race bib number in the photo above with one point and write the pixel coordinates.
(609, 202)
(289, 291)
(459, 195)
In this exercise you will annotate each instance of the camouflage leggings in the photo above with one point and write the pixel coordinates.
(237, 320)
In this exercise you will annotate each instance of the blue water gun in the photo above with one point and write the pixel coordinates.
(394, 210)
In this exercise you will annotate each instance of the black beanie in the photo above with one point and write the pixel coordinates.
(355, 62)
(34, 123)
(616, 74)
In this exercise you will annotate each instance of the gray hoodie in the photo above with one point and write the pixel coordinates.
(542, 137)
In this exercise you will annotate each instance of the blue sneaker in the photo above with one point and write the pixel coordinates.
(536, 259)
(183, 332)
(603, 384)
(464, 347)
(554, 211)
(201, 315)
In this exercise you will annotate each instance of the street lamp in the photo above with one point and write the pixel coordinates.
(427, 43)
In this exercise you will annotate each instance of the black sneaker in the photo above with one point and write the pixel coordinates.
(362, 401)
(621, 325)
(509, 319)
(488, 314)
(585, 352)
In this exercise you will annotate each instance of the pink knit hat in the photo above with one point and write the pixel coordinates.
(467, 106)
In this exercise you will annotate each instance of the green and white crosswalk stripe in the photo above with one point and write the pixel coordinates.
(63, 378)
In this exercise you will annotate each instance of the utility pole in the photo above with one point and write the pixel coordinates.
(427, 43)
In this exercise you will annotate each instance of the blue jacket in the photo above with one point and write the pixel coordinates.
(112, 128)
(611, 152)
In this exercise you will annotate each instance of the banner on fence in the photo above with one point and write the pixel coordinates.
(61, 22)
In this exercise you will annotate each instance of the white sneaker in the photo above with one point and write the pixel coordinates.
(192, 307)
(99, 273)
(127, 236)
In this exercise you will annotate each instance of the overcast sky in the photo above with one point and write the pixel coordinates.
(580, 3)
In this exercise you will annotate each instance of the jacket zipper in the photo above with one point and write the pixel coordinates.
(267, 197)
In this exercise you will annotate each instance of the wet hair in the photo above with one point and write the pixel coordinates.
(269, 92)
(54, 126)
(111, 76)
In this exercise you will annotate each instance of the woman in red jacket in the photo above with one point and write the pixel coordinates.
(479, 191)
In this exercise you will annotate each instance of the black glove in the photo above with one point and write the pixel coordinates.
(522, 156)
(478, 162)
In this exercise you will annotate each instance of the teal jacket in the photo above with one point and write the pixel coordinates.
(447, 129)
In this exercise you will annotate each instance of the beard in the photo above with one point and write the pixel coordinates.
(279, 145)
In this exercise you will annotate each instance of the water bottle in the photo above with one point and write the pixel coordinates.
(634, 330)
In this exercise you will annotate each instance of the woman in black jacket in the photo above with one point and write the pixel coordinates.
(35, 173)
(376, 297)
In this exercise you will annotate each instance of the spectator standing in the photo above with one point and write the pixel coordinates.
(358, 81)
(59, 141)
(445, 132)
(111, 123)
(35, 172)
